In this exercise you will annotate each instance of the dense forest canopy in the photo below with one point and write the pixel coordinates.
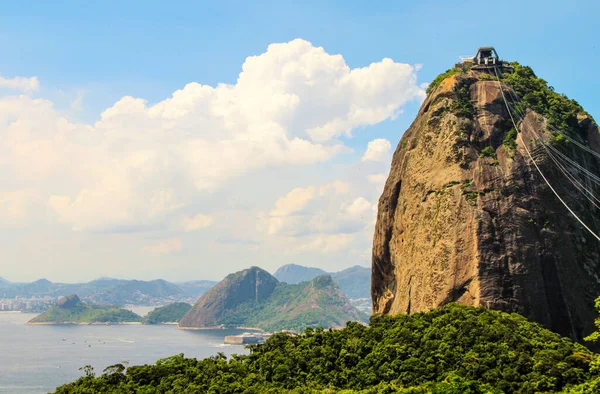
(455, 349)
(167, 314)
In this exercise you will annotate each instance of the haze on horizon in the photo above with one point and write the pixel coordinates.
(187, 143)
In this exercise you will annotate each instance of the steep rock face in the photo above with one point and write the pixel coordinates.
(253, 284)
(465, 218)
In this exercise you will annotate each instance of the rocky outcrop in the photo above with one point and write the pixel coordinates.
(68, 302)
(254, 298)
(465, 217)
(250, 285)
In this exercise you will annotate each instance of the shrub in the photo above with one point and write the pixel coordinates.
(438, 80)
(488, 151)
(510, 141)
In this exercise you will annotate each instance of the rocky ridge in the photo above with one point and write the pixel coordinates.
(254, 298)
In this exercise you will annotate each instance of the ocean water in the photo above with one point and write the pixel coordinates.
(38, 358)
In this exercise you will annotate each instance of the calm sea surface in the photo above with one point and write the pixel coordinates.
(38, 358)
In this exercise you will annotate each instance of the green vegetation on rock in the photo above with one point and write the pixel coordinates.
(438, 80)
(70, 309)
(254, 298)
(488, 151)
(510, 141)
(560, 111)
(318, 303)
(455, 349)
(167, 314)
(463, 106)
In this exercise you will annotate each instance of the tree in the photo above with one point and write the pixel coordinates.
(595, 336)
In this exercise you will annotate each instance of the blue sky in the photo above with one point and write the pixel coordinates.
(88, 57)
(148, 49)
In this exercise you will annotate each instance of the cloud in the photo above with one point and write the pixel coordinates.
(77, 103)
(377, 150)
(359, 208)
(15, 205)
(141, 164)
(294, 201)
(20, 83)
(165, 246)
(197, 222)
(317, 211)
(328, 243)
(377, 179)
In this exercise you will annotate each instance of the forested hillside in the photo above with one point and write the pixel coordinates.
(455, 349)
(70, 310)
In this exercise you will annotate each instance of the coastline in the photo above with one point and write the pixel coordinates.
(51, 323)
(219, 328)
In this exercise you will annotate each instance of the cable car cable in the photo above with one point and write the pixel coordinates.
(535, 164)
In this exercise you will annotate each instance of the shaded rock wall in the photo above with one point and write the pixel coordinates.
(461, 223)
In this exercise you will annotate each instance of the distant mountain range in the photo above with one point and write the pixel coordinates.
(355, 281)
(255, 298)
(294, 274)
(111, 291)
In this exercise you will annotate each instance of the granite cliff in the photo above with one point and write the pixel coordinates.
(465, 216)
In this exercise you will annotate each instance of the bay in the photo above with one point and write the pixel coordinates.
(38, 358)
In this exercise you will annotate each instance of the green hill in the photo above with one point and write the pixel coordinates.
(254, 298)
(455, 349)
(167, 314)
(70, 309)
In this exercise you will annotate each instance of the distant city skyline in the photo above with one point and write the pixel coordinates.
(145, 141)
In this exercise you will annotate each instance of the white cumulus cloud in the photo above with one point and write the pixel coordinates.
(328, 243)
(20, 83)
(140, 164)
(317, 211)
(377, 150)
